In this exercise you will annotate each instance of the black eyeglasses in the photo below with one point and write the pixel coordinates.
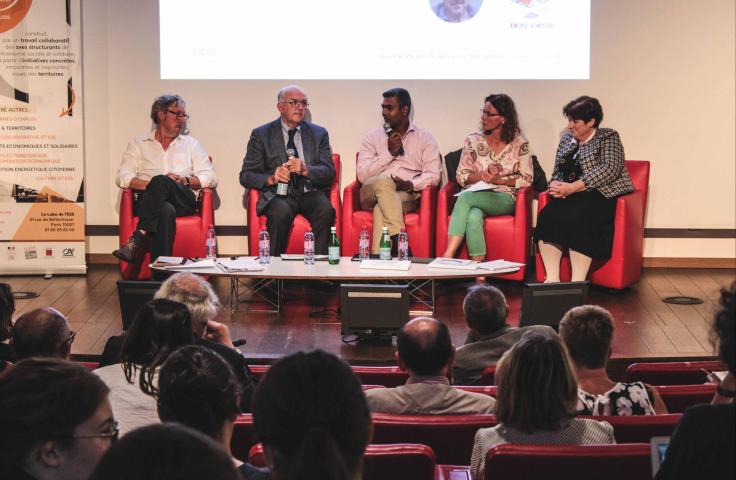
(294, 102)
(488, 114)
(113, 434)
(178, 114)
(72, 334)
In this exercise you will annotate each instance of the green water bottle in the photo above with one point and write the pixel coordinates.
(333, 249)
(384, 248)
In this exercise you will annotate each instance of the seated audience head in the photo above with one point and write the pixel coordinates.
(7, 307)
(508, 118)
(585, 109)
(587, 332)
(160, 327)
(312, 417)
(723, 328)
(537, 387)
(43, 332)
(194, 292)
(424, 347)
(485, 309)
(197, 388)
(165, 452)
(166, 112)
(55, 419)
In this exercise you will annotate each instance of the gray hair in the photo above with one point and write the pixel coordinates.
(162, 104)
(194, 292)
(282, 92)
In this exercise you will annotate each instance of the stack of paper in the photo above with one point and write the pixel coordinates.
(240, 264)
(495, 265)
(191, 264)
(453, 263)
(386, 264)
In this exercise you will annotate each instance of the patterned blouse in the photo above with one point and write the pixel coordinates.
(625, 399)
(514, 161)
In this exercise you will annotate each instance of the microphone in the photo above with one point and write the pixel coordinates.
(240, 342)
(387, 128)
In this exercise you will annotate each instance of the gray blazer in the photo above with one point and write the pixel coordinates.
(267, 150)
(602, 162)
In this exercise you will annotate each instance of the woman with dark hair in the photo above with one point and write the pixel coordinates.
(499, 156)
(311, 415)
(589, 174)
(535, 404)
(7, 307)
(587, 332)
(161, 327)
(55, 421)
(197, 388)
(704, 441)
(165, 452)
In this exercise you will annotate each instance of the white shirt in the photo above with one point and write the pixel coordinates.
(132, 407)
(145, 158)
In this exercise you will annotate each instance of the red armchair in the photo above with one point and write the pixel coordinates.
(508, 237)
(300, 225)
(420, 225)
(189, 241)
(624, 266)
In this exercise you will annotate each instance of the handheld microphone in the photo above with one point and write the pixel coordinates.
(240, 342)
(387, 128)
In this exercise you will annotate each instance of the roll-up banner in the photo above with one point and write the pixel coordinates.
(41, 138)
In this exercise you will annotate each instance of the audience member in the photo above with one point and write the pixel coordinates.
(489, 336)
(197, 388)
(703, 443)
(43, 332)
(161, 327)
(203, 304)
(7, 308)
(587, 332)
(311, 415)
(426, 352)
(395, 163)
(165, 452)
(537, 394)
(55, 421)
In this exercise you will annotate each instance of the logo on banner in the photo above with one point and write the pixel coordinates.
(67, 252)
(11, 252)
(30, 253)
(49, 252)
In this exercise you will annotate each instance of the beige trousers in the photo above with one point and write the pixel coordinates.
(389, 206)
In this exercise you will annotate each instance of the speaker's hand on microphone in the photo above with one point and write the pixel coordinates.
(218, 332)
(395, 147)
(281, 174)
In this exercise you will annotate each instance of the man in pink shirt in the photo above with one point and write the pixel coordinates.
(395, 163)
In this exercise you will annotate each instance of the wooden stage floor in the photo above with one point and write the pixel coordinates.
(645, 326)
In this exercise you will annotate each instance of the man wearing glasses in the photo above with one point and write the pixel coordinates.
(43, 332)
(309, 170)
(165, 165)
(395, 163)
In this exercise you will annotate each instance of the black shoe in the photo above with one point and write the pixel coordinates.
(132, 248)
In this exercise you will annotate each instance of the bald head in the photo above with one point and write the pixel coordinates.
(43, 332)
(424, 346)
(196, 294)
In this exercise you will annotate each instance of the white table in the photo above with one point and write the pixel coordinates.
(419, 277)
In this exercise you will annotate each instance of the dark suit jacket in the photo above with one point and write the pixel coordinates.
(111, 355)
(267, 150)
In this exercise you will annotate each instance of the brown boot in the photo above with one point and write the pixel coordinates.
(132, 247)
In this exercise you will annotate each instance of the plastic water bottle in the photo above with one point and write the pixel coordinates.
(384, 250)
(264, 247)
(309, 247)
(364, 244)
(211, 243)
(403, 247)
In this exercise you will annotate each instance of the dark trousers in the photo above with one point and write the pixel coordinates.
(314, 206)
(158, 207)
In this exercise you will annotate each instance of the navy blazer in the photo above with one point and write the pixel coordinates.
(267, 150)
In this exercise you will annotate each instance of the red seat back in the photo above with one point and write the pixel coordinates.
(244, 437)
(671, 373)
(640, 428)
(679, 397)
(387, 376)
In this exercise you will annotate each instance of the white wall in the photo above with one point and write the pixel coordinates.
(663, 70)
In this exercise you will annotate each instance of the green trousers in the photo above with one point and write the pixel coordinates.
(470, 210)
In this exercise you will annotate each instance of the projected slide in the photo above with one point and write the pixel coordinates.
(375, 39)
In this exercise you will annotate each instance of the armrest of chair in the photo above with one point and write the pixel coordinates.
(206, 211)
(542, 200)
(428, 205)
(351, 197)
(125, 215)
(628, 228)
(446, 200)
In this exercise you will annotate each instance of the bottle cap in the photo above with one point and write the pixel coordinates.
(212, 226)
(385, 229)
(364, 227)
(333, 229)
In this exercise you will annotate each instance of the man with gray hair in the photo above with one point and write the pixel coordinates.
(308, 168)
(489, 337)
(43, 332)
(164, 166)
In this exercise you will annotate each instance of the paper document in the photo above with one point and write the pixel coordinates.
(240, 264)
(190, 264)
(386, 264)
(499, 265)
(477, 187)
(165, 261)
(453, 263)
